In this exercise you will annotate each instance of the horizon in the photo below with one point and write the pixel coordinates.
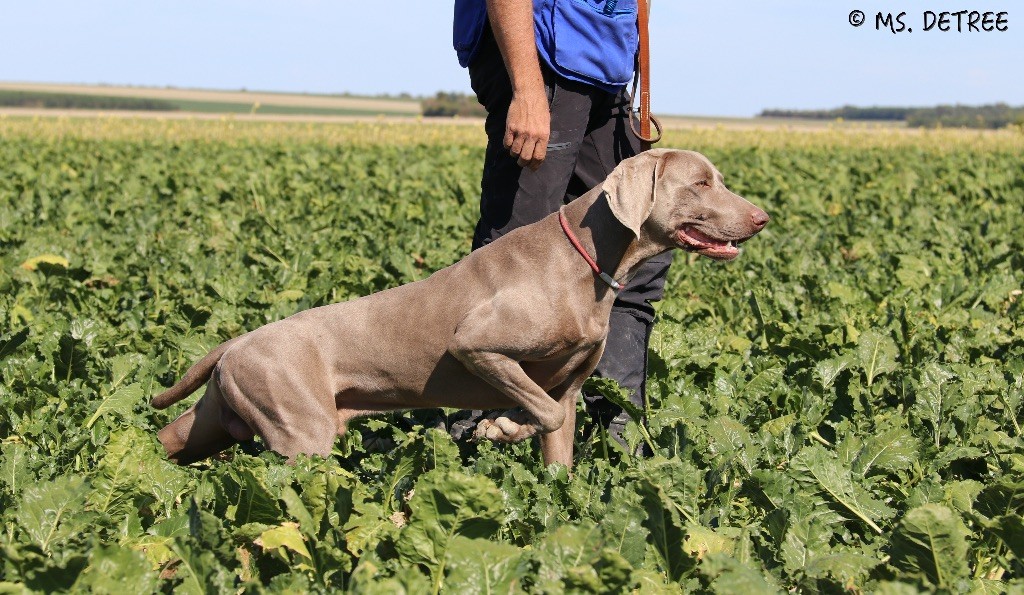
(806, 56)
(411, 97)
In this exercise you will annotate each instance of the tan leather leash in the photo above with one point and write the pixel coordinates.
(643, 77)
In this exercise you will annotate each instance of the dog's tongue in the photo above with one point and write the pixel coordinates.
(707, 245)
(703, 238)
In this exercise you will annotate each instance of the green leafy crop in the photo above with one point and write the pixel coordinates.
(839, 409)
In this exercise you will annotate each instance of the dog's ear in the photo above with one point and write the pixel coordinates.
(630, 188)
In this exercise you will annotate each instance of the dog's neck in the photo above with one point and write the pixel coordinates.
(616, 250)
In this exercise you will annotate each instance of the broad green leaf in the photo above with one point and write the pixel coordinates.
(290, 583)
(623, 528)
(132, 473)
(14, 461)
(160, 538)
(1013, 403)
(961, 494)
(778, 426)
(649, 581)
(11, 340)
(444, 506)
(949, 454)
(666, 533)
(817, 466)
(876, 354)
(1010, 529)
(118, 476)
(409, 458)
(849, 568)
(894, 449)
(120, 402)
(287, 536)
(931, 541)
(701, 541)
(51, 512)
(367, 527)
(764, 379)
(250, 498)
(805, 540)
(368, 578)
(731, 441)
(896, 588)
(74, 356)
(933, 398)
(1005, 496)
(728, 576)
(121, 367)
(828, 370)
(574, 558)
(199, 570)
(289, 295)
(984, 586)
(297, 509)
(789, 497)
(913, 272)
(326, 494)
(479, 566)
(116, 570)
(679, 484)
(618, 396)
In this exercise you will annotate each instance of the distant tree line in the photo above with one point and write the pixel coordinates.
(452, 104)
(998, 115)
(847, 112)
(79, 101)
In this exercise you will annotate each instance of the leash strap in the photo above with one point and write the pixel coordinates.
(611, 282)
(643, 78)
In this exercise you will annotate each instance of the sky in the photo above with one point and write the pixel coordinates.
(721, 58)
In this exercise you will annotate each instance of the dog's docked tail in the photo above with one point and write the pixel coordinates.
(196, 376)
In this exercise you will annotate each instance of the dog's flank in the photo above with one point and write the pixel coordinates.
(519, 323)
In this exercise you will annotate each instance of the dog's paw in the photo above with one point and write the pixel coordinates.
(507, 427)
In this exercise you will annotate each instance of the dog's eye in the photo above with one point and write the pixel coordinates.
(703, 183)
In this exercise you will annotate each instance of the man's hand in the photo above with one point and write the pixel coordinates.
(528, 128)
(528, 125)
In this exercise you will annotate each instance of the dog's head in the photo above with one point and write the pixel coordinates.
(677, 199)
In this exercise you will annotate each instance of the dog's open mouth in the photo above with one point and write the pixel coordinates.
(694, 240)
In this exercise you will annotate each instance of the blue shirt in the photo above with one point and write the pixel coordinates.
(590, 41)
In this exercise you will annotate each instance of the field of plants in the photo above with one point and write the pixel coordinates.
(838, 410)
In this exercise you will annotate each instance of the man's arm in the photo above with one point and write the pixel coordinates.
(528, 125)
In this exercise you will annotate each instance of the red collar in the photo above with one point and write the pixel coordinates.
(583, 252)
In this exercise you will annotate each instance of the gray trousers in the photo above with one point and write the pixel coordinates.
(590, 135)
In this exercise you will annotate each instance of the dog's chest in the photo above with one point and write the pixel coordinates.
(558, 369)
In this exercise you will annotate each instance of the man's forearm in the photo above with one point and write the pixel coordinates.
(512, 24)
(528, 123)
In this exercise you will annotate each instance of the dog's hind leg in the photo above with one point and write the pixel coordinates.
(314, 437)
(279, 408)
(200, 431)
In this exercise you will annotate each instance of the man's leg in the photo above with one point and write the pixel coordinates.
(609, 140)
(629, 334)
(512, 196)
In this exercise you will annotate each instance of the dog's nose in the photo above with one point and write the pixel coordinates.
(759, 218)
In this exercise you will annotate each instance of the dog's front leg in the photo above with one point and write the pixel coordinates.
(495, 357)
(557, 446)
(506, 375)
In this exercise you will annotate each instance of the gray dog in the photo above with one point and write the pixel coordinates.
(518, 324)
